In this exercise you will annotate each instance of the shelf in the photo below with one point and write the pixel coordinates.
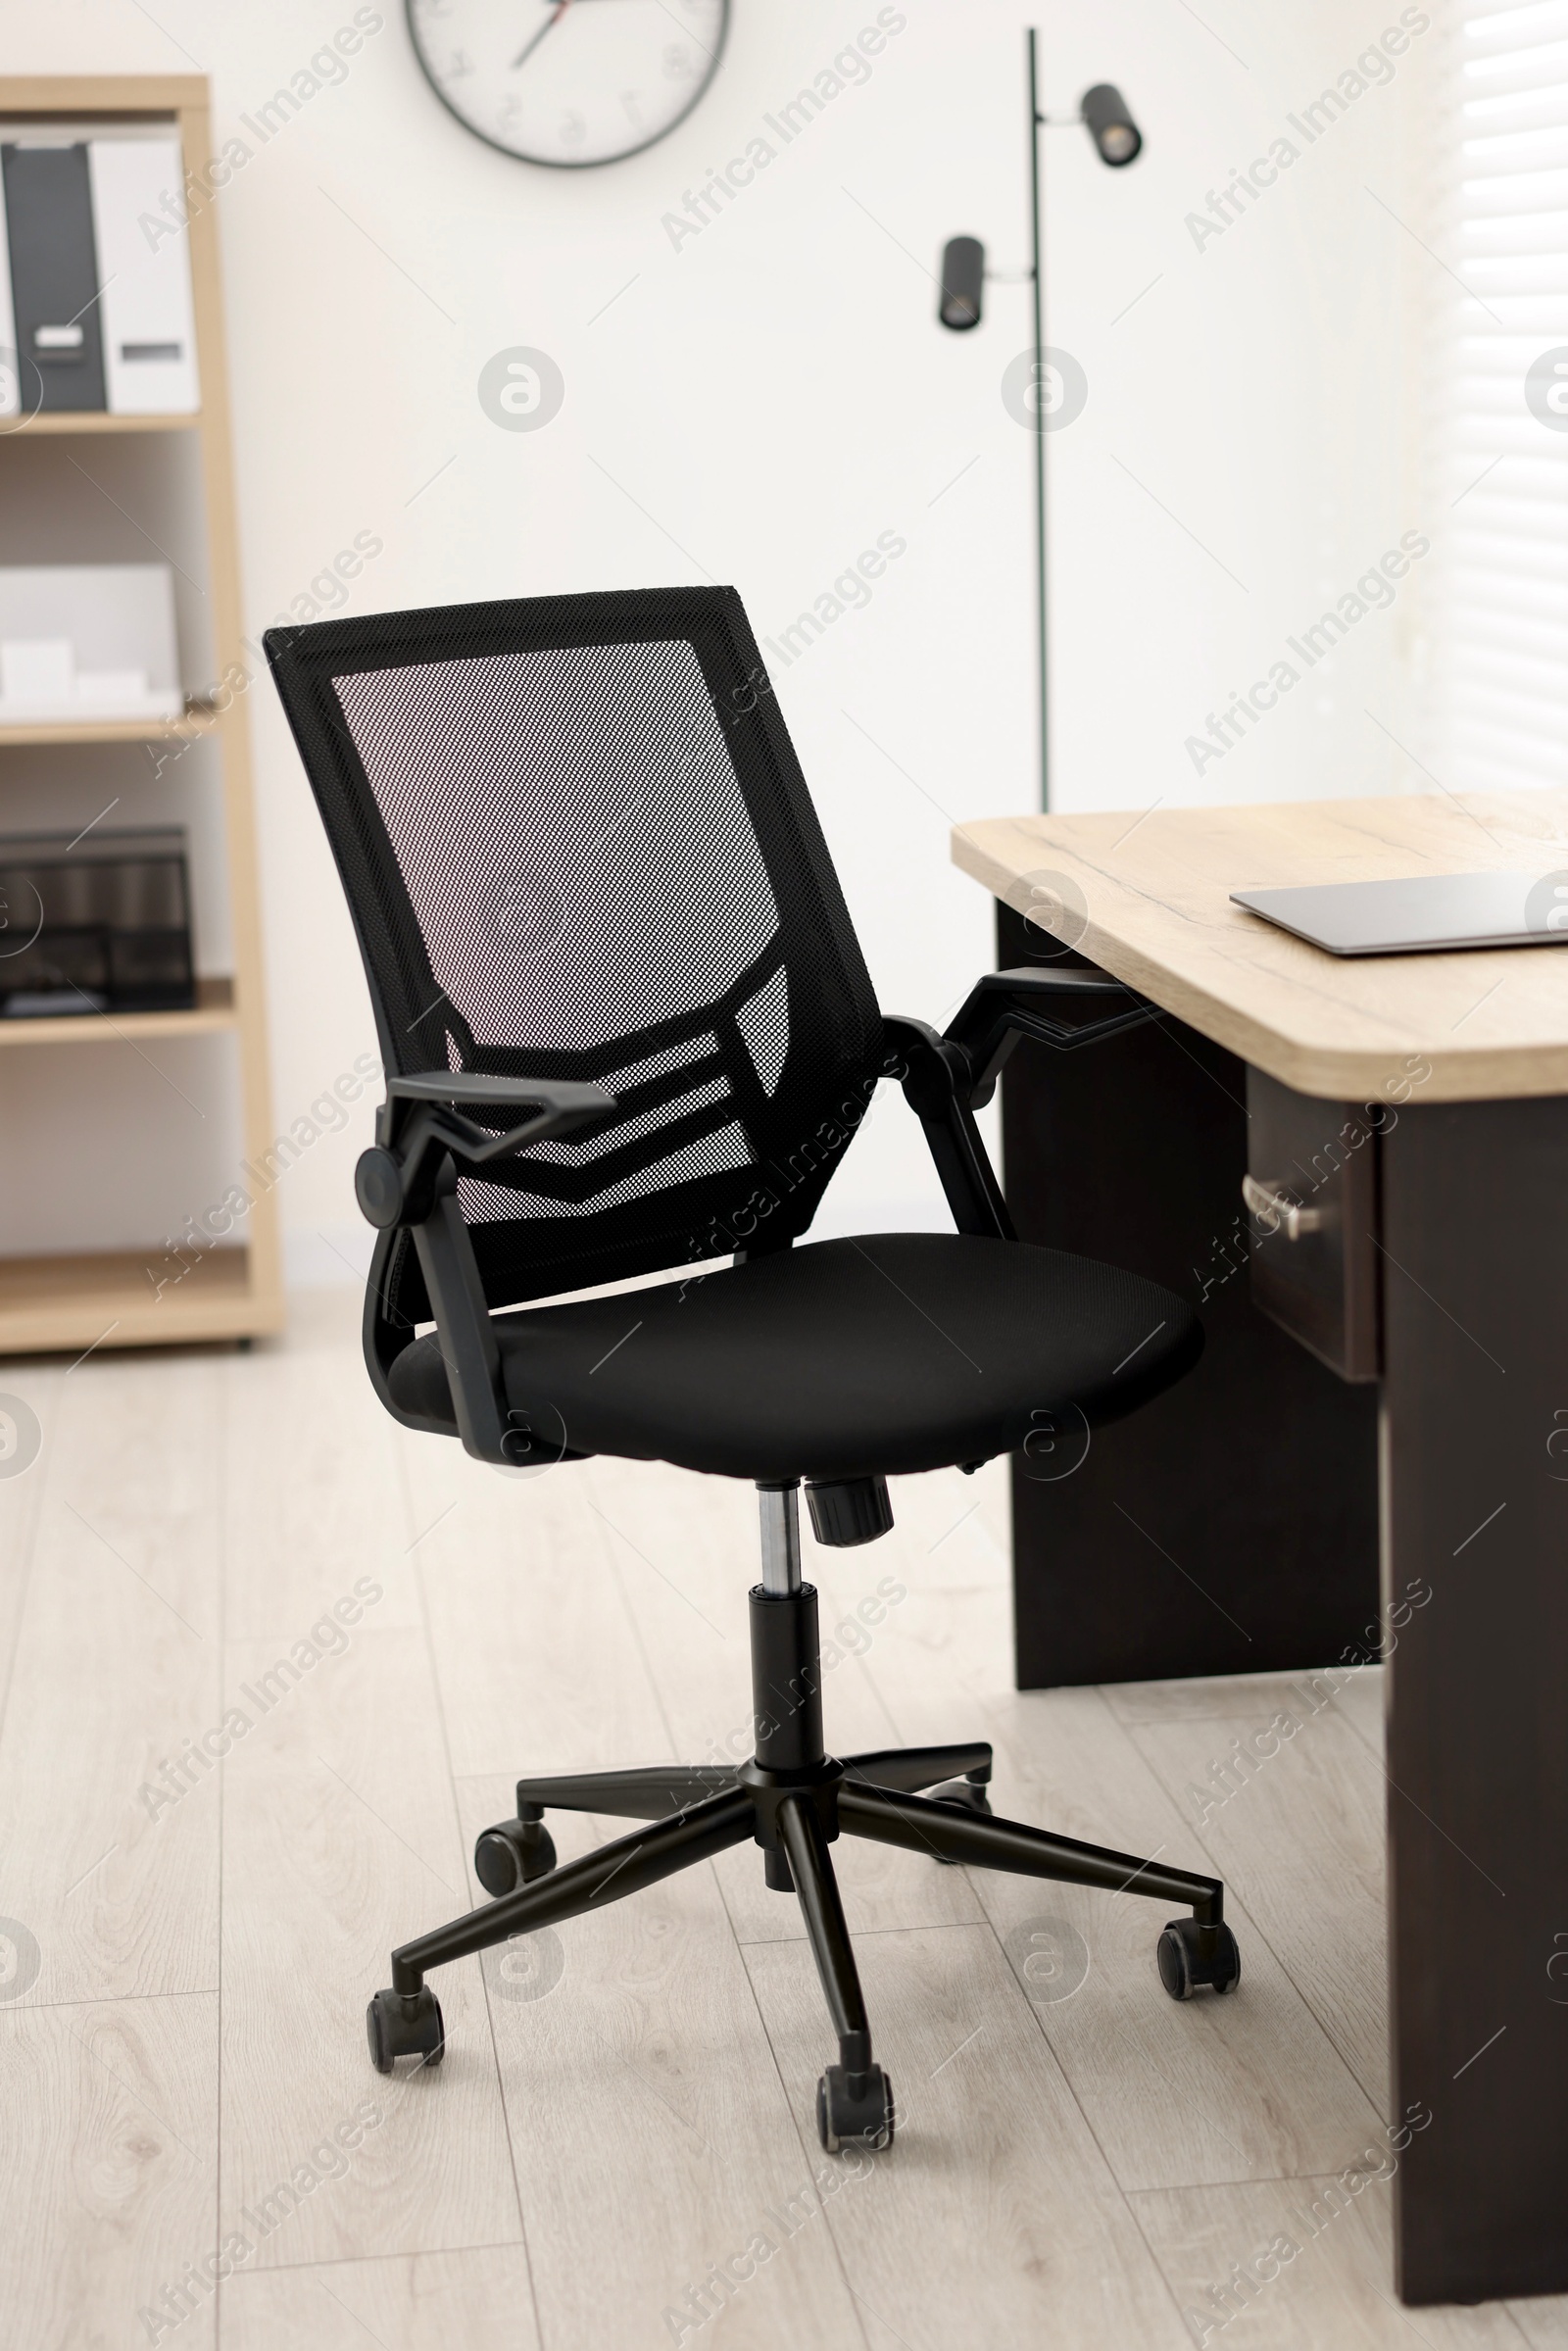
(201, 718)
(214, 1010)
(68, 1304)
(72, 95)
(50, 1304)
(95, 420)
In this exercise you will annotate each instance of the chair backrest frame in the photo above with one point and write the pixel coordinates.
(560, 713)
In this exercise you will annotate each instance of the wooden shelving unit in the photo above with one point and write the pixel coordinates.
(109, 1298)
(104, 1298)
(199, 718)
(91, 420)
(214, 1010)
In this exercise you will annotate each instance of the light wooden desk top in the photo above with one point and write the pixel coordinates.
(1152, 907)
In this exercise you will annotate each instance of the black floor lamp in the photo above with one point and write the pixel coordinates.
(1105, 115)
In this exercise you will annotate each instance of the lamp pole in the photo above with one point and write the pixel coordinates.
(1104, 114)
(1037, 278)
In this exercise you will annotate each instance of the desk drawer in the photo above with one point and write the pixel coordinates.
(1310, 1193)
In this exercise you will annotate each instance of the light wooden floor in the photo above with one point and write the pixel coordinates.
(628, 2103)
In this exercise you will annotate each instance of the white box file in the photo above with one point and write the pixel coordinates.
(87, 642)
(149, 326)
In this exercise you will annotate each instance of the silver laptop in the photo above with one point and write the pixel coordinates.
(1424, 916)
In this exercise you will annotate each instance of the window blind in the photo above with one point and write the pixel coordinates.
(1498, 441)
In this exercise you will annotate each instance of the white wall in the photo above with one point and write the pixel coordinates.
(756, 406)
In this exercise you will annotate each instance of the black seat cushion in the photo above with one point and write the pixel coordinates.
(881, 1355)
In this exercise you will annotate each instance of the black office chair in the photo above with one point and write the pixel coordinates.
(626, 1028)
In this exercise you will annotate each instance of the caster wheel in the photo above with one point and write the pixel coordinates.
(969, 1796)
(512, 1853)
(1183, 1968)
(405, 2024)
(845, 2120)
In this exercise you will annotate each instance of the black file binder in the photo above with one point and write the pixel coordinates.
(54, 276)
(95, 923)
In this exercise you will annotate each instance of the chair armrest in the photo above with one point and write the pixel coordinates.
(422, 1121)
(1003, 1005)
(935, 1078)
(945, 1078)
(409, 1177)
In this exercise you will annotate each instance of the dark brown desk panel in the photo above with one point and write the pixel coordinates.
(1231, 1527)
(1475, 1303)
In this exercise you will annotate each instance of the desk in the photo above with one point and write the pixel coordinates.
(1395, 1423)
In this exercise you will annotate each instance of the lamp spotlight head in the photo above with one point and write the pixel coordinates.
(963, 270)
(1109, 123)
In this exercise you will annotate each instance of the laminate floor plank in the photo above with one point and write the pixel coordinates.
(944, 1654)
(1543, 2321)
(456, 2301)
(27, 1455)
(996, 2219)
(1299, 2263)
(1357, 1694)
(539, 1669)
(117, 1669)
(652, 2141)
(1242, 2088)
(1300, 1833)
(340, 1840)
(314, 1497)
(1362, 1700)
(1247, 2087)
(950, 1531)
(1220, 1697)
(109, 2159)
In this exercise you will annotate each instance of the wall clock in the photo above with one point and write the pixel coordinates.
(568, 82)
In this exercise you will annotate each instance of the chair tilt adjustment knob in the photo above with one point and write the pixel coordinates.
(857, 1511)
(378, 1188)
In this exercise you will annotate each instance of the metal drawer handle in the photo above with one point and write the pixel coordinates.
(1277, 1213)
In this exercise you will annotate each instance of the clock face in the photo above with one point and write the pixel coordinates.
(568, 82)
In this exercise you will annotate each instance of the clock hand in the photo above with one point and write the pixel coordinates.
(529, 47)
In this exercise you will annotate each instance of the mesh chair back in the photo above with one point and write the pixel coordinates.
(576, 843)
